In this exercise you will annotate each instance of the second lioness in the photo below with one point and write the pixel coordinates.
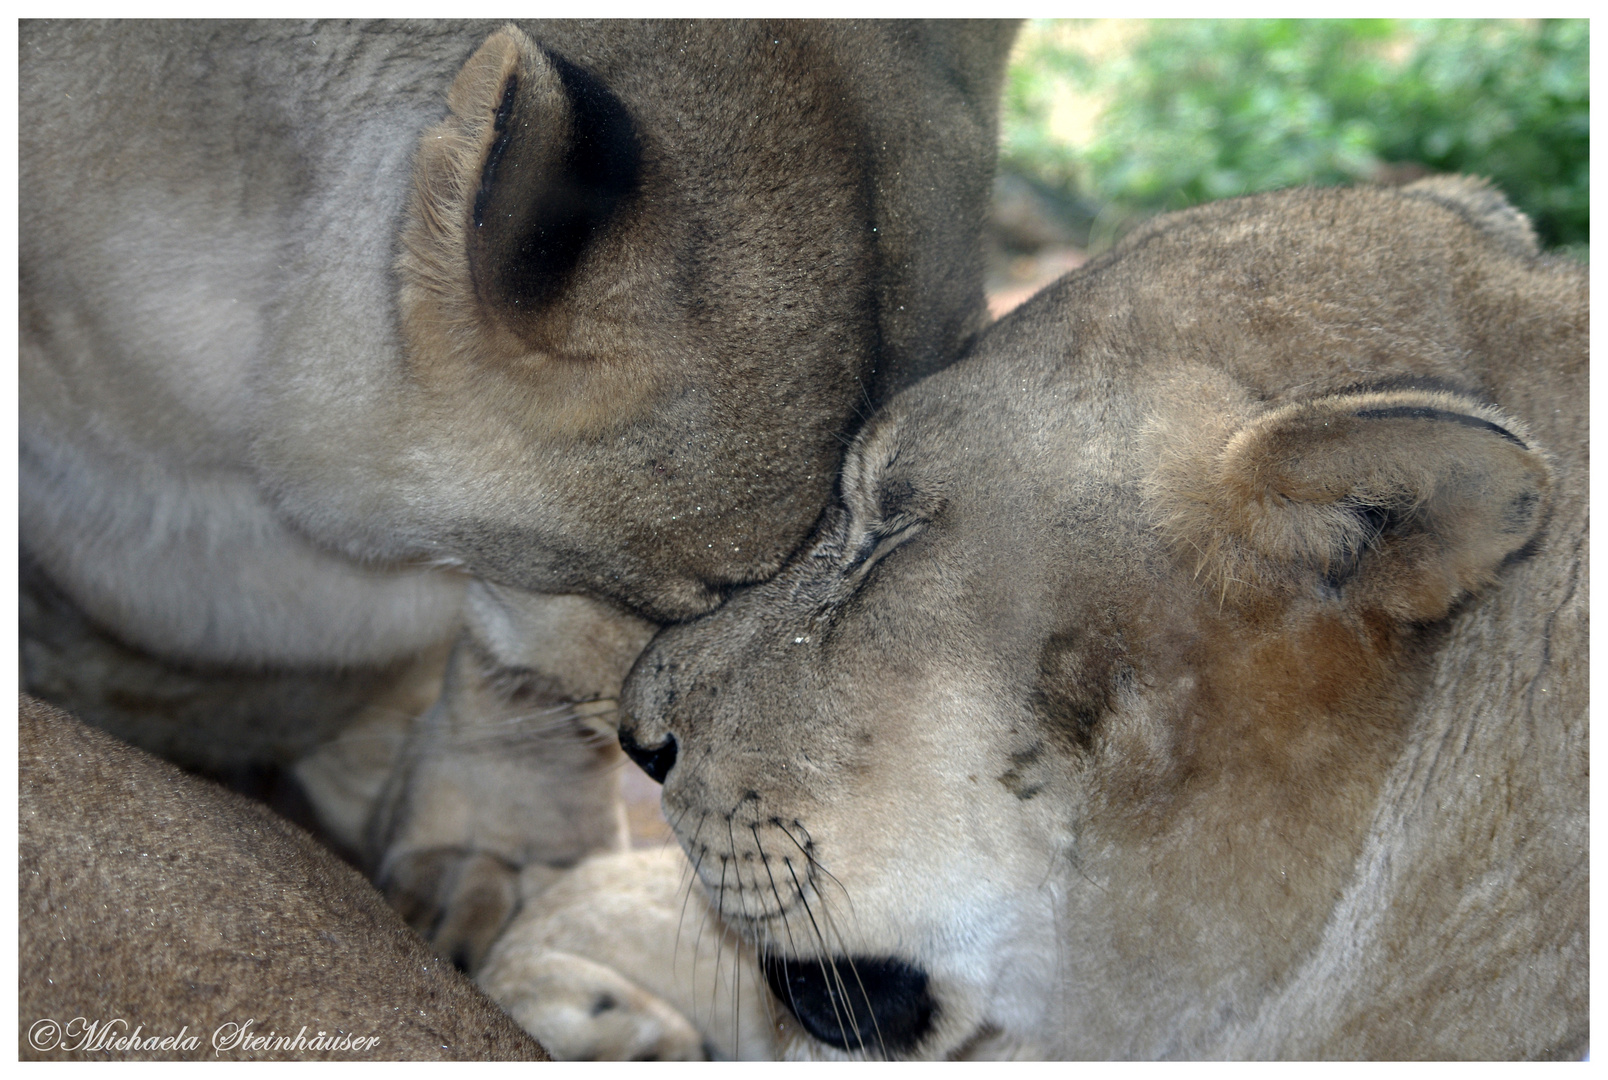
(1196, 669)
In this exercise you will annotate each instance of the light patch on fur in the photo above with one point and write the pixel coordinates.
(203, 568)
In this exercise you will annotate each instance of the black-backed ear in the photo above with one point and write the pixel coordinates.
(512, 189)
(563, 160)
(1404, 501)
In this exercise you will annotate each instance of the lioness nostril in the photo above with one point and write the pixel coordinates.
(656, 762)
(855, 1003)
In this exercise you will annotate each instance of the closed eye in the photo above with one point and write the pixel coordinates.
(882, 540)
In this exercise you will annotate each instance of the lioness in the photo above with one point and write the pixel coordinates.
(1198, 669)
(337, 338)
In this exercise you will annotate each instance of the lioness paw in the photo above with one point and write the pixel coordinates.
(583, 1011)
(634, 919)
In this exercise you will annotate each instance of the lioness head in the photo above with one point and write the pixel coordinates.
(649, 274)
(1070, 722)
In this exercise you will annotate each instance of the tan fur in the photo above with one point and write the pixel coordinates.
(163, 902)
(341, 343)
(1196, 670)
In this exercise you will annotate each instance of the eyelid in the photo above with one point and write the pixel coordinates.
(884, 538)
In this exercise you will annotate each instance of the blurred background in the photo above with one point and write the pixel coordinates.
(1108, 121)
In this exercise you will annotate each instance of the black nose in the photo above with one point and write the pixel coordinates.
(656, 762)
(855, 1003)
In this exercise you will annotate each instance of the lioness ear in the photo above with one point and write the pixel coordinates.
(1402, 500)
(512, 188)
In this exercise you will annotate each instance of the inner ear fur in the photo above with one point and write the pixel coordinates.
(534, 160)
(1405, 501)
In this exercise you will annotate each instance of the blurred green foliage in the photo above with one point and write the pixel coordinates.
(1205, 109)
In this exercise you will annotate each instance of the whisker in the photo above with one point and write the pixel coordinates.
(815, 864)
(769, 936)
(781, 908)
(742, 900)
(736, 998)
(688, 896)
(826, 951)
(703, 924)
(703, 921)
(837, 975)
(841, 947)
(781, 912)
(865, 996)
(720, 951)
